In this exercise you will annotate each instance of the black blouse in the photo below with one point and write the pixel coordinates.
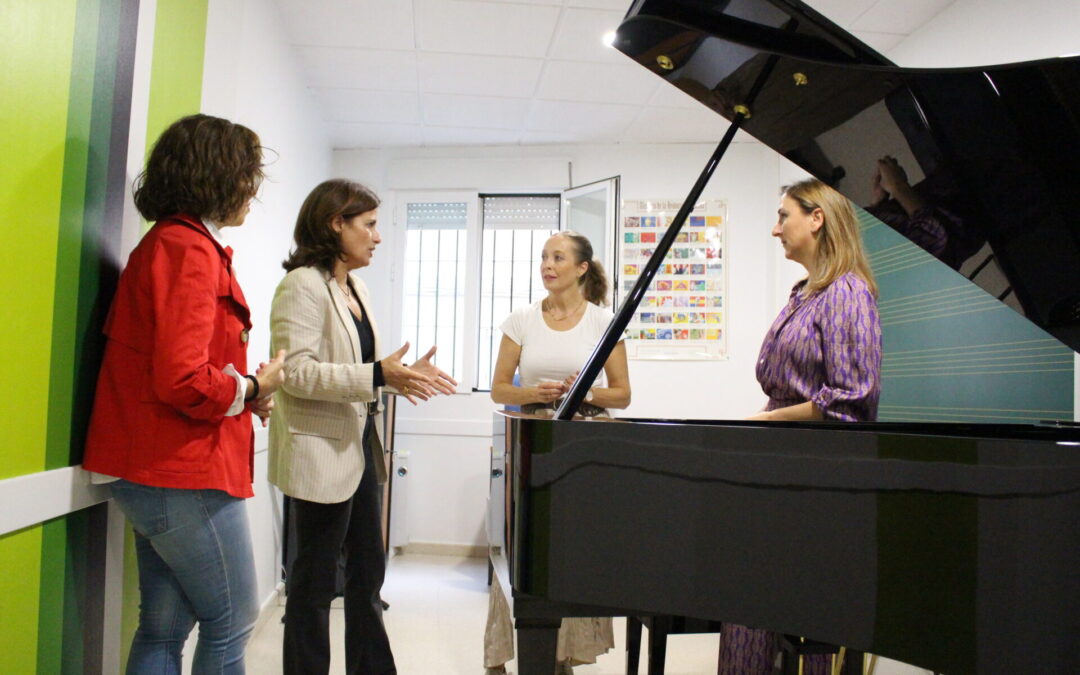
(367, 344)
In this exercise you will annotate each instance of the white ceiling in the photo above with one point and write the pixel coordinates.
(505, 72)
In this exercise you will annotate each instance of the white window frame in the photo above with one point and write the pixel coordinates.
(472, 273)
(467, 383)
(485, 387)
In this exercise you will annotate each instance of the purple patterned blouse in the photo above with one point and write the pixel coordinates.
(825, 348)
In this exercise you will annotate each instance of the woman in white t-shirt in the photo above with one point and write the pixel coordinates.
(548, 342)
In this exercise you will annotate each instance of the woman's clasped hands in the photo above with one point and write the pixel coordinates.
(549, 391)
(421, 380)
(270, 375)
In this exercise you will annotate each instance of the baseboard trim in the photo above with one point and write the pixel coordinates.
(456, 550)
(272, 602)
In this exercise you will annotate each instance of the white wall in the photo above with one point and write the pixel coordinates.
(448, 438)
(252, 76)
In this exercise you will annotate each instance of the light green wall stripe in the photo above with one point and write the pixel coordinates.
(20, 558)
(36, 42)
(177, 70)
(36, 38)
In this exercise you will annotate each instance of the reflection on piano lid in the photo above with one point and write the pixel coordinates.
(989, 153)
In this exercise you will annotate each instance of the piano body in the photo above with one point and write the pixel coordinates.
(954, 547)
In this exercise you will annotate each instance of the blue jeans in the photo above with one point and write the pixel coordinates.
(195, 564)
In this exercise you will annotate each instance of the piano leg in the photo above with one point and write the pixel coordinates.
(658, 633)
(537, 640)
(633, 644)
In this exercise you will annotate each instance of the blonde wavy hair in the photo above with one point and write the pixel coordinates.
(839, 244)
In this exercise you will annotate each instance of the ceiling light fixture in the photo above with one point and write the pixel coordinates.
(608, 39)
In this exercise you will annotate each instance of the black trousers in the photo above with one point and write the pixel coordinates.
(323, 531)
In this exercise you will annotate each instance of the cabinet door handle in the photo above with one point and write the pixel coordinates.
(496, 473)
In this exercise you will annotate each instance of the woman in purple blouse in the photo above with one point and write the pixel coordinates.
(821, 359)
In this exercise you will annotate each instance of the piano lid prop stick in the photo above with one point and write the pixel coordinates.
(630, 303)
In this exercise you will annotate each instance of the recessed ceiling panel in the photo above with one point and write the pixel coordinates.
(591, 119)
(349, 135)
(371, 24)
(358, 105)
(451, 110)
(597, 82)
(479, 75)
(464, 27)
(359, 68)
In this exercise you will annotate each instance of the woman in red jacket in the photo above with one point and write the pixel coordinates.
(171, 428)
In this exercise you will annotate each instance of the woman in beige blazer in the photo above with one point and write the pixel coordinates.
(325, 449)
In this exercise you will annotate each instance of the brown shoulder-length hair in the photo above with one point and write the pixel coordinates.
(203, 166)
(594, 283)
(839, 244)
(317, 244)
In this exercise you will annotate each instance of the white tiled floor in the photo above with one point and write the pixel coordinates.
(438, 606)
(436, 625)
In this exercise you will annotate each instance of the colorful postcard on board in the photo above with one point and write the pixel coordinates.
(690, 283)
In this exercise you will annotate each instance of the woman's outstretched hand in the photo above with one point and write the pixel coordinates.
(412, 384)
(442, 382)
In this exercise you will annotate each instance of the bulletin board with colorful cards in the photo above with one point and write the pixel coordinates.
(682, 314)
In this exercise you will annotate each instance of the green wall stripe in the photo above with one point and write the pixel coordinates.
(54, 582)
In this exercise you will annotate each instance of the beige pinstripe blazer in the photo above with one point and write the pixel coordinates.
(319, 413)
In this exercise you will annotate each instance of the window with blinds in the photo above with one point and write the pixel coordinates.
(434, 280)
(514, 229)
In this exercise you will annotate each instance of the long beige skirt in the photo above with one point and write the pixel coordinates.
(581, 640)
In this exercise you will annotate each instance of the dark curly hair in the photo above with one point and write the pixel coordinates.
(203, 166)
(317, 244)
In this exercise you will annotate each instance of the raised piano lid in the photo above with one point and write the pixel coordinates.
(993, 149)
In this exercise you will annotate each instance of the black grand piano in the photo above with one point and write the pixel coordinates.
(954, 547)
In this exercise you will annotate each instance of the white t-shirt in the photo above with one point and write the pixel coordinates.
(548, 354)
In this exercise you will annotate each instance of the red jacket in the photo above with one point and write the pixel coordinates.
(178, 318)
